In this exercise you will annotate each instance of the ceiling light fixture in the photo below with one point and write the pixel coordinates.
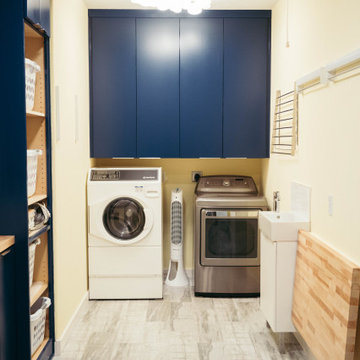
(193, 7)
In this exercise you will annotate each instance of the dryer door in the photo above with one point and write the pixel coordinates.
(124, 218)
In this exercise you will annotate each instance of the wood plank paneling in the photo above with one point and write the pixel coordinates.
(326, 299)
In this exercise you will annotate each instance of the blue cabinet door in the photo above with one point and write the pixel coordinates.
(246, 87)
(201, 81)
(38, 12)
(45, 15)
(157, 87)
(7, 305)
(33, 11)
(113, 87)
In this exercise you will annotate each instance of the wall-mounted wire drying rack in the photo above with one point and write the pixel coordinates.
(285, 124)
(336, 68)
(344, 65)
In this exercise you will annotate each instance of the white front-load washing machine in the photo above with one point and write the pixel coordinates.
(125, 233)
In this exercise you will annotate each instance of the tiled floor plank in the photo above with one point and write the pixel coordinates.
(179, 327)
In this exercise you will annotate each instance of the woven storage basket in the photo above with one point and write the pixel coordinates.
(31, 68)
(32, 248)
(32, 160)
(37, 322)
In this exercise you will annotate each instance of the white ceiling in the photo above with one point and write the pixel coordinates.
(216, 4)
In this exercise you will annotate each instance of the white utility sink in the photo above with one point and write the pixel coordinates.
(282, 226)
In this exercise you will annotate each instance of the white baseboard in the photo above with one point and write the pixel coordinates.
(66, 332)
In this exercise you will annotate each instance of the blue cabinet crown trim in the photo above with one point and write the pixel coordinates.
(167, 14)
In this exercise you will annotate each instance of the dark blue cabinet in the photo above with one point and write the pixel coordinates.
(246, 87)
(157, 87)
(45, 15)
(7, 305)
(20, 41)
(168, 85)
(38, 13)
(33, 11)
(113, 88)
(201, 82)
(13, 143)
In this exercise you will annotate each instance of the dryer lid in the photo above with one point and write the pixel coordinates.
(226, 185)
(124, 218)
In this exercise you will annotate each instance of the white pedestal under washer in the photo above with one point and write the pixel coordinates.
(125, 233)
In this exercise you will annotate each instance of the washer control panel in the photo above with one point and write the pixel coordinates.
(124, 174)
(105, 175)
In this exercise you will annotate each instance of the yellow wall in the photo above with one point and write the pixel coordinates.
(69, 65)
(178, 174)
(329, 118)
(69, 72)
(320, 31)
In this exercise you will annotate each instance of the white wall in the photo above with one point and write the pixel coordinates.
(329, 118)
(69, 72)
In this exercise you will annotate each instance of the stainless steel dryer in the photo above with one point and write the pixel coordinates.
(227, 254)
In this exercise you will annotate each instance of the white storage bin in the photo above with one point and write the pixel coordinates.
(38, 216)
(31, 68)
(32, 160)
(37, 322)
(32, 248)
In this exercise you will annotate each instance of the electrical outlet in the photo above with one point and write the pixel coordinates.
(195, 175)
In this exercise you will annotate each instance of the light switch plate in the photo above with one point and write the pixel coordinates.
(330, 205)
(76, 122)
(57, 104)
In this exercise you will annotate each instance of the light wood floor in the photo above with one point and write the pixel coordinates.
(179, 327)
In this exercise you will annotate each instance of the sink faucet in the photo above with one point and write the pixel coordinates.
(276, 201)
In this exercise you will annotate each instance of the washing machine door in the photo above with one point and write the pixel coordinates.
(124, 218)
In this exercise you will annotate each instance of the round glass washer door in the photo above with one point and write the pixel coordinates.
(124, 218)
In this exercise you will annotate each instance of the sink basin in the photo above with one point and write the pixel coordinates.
(282, 226)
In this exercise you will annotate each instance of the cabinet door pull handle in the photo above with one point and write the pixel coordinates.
(5, 252)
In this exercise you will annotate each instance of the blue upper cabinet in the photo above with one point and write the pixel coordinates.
(38, 13)
(45, 15)
(33, 11)
(157, 87)
(168, 85)
(113, 87)
(201, 80)
(246, 87)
